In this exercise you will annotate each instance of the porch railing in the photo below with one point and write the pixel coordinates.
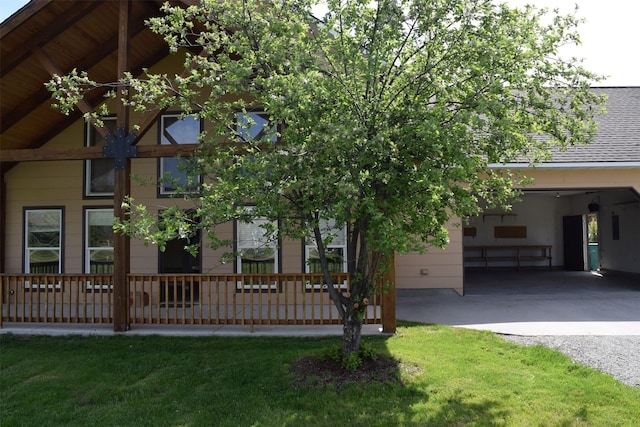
(233, 299)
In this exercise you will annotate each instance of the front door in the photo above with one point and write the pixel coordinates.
(176, 260)
(573, 238)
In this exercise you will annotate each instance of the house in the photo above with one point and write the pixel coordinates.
(60, 260)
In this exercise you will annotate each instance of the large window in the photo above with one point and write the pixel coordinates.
(98, 241)
(256, 254)
(175, 129)
(335, 249)
(255, 125)
(99, 173)
(43, 241)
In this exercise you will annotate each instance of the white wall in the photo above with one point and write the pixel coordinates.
(622, 254)
(542, 214)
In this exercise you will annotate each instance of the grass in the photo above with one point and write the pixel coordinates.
(450, 377)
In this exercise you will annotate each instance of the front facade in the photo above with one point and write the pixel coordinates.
(58, 250)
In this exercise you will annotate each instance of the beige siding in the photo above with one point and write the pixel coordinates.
(291, 255)
(40, 184)
(437, 268)
(586, 178)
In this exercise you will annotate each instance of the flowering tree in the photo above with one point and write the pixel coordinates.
(380, 118)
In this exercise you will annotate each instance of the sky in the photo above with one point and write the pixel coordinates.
(610, 36)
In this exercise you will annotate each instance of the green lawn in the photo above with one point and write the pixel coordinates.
(449, 376)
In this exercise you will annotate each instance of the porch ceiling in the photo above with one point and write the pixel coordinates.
(68, 34)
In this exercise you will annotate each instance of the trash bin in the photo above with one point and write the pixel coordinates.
(594, 258)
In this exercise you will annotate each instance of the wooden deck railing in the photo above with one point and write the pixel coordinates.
(234, 299)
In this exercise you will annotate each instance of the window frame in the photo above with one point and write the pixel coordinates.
(87, 249)
(162, 192)
(26, 259)
(310, 244)
(104, 286)
(241, 131)
(89, 135)
(274, 245)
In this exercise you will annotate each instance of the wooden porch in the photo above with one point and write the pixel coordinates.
(196, 299)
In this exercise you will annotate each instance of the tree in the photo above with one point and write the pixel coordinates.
(382, 117)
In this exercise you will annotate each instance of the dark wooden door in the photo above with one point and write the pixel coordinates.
(573, 238)
(175, 259)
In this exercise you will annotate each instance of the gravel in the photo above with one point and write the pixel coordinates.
(618, 356)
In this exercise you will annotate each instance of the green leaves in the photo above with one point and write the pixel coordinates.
(388, 115)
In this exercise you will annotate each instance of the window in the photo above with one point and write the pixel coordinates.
(99, 173)
(175, 129)
(256, 253)
(255, 125)
(98, 241)
(615, 226)
(43, 241)
(335, 249)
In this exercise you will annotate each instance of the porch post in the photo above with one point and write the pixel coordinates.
(389, 297)
(122, 184)
(3, 222)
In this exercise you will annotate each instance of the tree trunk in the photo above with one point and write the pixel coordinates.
(352, 331)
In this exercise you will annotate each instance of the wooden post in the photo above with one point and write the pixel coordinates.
(3, 223)
(389, 297)
(122, 185)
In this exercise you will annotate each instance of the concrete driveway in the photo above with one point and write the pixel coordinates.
(531, 303)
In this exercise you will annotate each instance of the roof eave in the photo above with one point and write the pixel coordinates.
(567, 165)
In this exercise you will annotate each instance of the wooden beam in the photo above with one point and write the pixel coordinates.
(122, 182)
(53, 69)
(25, 13)
(150, 117)
(95, 96)
(89, 153)
(3, 221)
(50, 32)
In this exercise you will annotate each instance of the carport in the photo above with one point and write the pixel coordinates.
(574, 229)
(580, 213)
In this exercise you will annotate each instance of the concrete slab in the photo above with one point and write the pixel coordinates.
(531, 303)
(181, 330)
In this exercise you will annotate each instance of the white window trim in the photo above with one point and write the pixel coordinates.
(311, 245)
(28, 249)
(88, 249)
(42, 287)
(256, 287)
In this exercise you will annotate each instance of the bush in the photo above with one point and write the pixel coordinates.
(352, 361)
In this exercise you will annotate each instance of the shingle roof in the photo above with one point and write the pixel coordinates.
(618, 137)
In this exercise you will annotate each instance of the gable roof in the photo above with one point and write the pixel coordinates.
(48, 35)
(618, 137)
